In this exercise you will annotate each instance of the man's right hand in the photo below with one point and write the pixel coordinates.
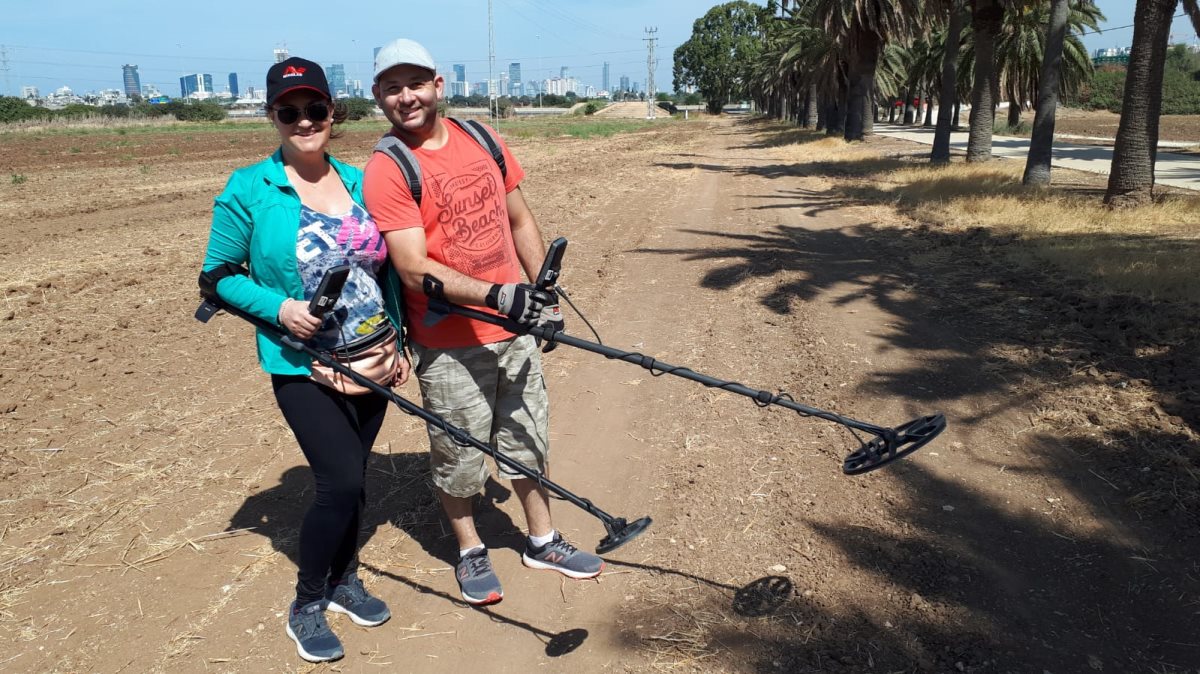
(521, 302)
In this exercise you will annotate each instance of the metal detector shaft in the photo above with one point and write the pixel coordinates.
(887, 445)
(656, 367)
(619, 531)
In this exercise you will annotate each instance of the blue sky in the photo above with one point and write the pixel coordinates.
(83, 44)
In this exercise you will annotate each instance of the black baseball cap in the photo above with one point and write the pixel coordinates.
(295, 73)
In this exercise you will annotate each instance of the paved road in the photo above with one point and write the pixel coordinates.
(1174, 169)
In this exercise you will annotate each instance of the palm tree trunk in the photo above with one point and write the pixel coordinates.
(986, 19)
(1041, 145)
(908, 106)
(948, 110)
(1131, 181)
(810, 107)
(957, 116)
(892, 111)
(928, 109)
(1014, 109)
(868, 109)
(864, 54)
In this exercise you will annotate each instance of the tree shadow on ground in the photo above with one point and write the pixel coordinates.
(1023, 590)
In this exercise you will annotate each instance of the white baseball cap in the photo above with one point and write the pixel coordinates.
(402, 52)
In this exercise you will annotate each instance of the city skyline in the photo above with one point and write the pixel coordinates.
(543, 36)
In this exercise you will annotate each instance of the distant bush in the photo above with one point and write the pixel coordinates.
(358, 108)
(13, 109)
(200, 111)
(1181, 91)
(593, 107)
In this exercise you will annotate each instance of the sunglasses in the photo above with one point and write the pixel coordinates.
(317, 111)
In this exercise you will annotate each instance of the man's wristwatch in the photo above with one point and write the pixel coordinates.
(493, 297)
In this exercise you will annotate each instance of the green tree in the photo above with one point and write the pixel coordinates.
(717, 58)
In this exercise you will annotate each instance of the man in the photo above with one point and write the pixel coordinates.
(473, 232)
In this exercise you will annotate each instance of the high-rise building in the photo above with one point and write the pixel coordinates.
(133, 83)
(233, 85)
(562, 72)
(624, 83)
(29, 92)
(281, 54)
(460, 72)
(193, 84)
(605, 77)
(337, 80)
(514, 80)
(374, 55)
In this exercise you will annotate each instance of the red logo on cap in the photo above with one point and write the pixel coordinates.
(293, 71)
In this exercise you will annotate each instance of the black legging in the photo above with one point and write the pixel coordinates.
(335, 433)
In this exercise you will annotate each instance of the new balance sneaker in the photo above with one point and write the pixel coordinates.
(476, 580)
(306, 626)
(351, 598)
(562, 557)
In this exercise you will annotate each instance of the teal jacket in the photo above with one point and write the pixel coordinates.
(256, 221)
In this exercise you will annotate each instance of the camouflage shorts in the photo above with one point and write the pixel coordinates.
(496, 393)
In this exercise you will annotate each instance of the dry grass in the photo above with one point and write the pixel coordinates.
(1148, 251)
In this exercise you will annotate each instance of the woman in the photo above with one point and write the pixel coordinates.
(291, 217)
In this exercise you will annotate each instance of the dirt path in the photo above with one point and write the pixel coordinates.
(152, 491)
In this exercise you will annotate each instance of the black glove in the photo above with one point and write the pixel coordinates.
(521, 302)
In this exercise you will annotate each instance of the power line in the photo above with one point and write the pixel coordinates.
(1109, 30)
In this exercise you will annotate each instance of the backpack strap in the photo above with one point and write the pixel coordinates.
(405, 160)
(486, 140)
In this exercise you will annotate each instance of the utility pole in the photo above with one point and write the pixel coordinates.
(4, 67)
(493, 101)
(651, 65)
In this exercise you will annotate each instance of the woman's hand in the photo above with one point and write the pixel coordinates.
(293, 315)
(403, 370)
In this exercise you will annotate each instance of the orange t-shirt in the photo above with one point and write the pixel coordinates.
(464, 211)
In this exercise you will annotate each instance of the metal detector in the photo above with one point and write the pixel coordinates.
(886, 445)
(619, 530)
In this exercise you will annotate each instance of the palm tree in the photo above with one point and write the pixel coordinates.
(949, 94)
(987, 19)
(1131, 181)
(1037, 164)
(1022, 46)
(863, 27)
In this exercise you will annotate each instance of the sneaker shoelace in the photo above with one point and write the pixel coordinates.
(355, 591)
(478, 565)
(312, 622)
(562, 544)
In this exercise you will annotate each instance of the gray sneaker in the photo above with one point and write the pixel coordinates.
(306, 626)
(476, 580)
(351, 598)
(562, 557)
